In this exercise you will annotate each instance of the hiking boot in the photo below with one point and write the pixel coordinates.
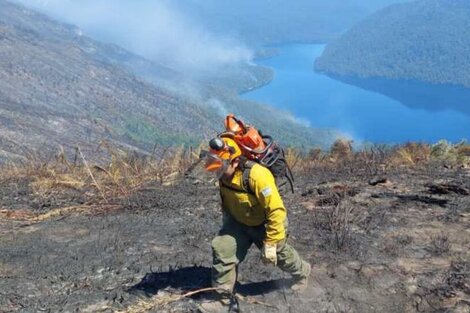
(300, 284)
(215, 303)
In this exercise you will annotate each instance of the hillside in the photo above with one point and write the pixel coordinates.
(427, 41)
(275, 21)
(386, 230)
(58, 87)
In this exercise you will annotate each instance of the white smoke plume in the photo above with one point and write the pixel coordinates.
(157, 30)
(218, 106)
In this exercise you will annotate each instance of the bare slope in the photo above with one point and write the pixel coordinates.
(55, 89)
(58, 87)
(394, 244)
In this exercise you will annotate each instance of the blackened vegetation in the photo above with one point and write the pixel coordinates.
(446, 188)
(451, 284)
(440, 244)
(137, 236)
(335, 218)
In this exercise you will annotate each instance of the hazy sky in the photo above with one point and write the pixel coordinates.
(155, 29)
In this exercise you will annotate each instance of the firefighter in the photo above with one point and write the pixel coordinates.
(253, 213)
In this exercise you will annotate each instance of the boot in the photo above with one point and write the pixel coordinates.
(215, 303)
(300, 284)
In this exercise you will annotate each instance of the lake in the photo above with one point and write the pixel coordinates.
(373, 110)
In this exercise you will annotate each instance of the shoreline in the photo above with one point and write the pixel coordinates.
(259, 86)
(276, 53)
(413, 98)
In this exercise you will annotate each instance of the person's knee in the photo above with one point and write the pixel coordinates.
(283, 248)
(287, 255)
(224, 247)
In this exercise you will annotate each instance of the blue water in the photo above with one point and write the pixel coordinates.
(378, 111)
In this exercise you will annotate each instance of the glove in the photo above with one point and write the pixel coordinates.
(269, 254)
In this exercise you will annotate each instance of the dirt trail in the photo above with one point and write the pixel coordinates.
(399, 246)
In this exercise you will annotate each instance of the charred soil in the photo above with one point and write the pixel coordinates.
(395, 243)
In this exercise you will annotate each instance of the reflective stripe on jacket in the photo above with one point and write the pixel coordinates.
(263, 206)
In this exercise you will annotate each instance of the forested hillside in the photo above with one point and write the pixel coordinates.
(274, 21)
(424, 40)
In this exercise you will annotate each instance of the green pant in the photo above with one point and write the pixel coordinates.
(231, 245)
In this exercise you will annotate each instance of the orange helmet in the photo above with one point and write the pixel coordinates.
(221, 153)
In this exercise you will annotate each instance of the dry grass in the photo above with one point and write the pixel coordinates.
(31, 217)
(341, 149)
(377, 159)
(293, 157)
(161, 301)
(464, 150)
(452, 154)
(411, 154)
(122, 174)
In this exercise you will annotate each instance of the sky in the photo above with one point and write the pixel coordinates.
(157, 30)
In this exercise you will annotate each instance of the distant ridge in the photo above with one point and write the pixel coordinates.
(426, 41)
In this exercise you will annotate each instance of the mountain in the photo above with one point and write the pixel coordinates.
(426, 41)
(58, 87)
(276, 21)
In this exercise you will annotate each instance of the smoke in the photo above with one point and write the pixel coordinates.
(157, 30)
(217, 106)
(302, 121)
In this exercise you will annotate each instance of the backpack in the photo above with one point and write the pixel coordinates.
(258, 148)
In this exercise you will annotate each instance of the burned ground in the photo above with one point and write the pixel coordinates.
(398, 242)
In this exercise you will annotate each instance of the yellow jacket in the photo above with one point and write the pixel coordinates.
(263, 206)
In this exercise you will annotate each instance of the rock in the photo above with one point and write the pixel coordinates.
(377, 181)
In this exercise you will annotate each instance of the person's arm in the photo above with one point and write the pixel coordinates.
(267, 193)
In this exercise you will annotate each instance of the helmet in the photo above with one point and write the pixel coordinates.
(222, 152)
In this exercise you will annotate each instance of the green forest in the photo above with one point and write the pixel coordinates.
(424, 40)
